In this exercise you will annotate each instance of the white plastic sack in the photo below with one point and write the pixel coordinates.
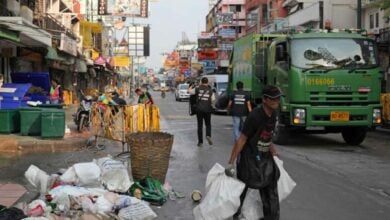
(114, 175)
(222, 196)
(87, 173)
(252, 209)
(37, 178)
(137, 211)
(69, 176)
(285, 183)
(74, 191)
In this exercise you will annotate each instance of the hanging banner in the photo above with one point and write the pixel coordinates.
(136, 8)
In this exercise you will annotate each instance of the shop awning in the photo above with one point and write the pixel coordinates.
(81, 66)
(30, 34)
(53, 55)
(9, 35)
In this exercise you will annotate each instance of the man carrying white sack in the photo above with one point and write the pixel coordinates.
(254, 152)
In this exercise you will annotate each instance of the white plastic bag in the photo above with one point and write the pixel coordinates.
(137, 211)
(114, 174)
(285, 183)
(252, 209)
(74, 191)
(69, 176)
(222, 196)
(87, 173)
(37, 178)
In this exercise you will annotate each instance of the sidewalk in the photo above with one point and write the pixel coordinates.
(16, 144)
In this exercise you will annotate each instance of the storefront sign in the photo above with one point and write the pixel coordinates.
(226, 46)
(121, 61)
(207, 43)
(137, 8)
(224, 19)
(207, 55)
(227, 32)
(68, 45)
(29, 55)
(209, 64)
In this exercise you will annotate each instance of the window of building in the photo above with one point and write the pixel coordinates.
(377, 19)
(264, 12)
(234, 8)
(252, 17)
(371, 21)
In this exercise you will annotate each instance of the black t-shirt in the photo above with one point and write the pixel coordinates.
(259, 119)
(239, 103)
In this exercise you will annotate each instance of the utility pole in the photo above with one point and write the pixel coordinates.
(359, 14)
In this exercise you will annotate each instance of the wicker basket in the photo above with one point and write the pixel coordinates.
(150, 152)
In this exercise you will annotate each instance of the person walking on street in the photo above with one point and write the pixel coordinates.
(56, 93)
(144, 97)
(240, 106)
(255, 144)
(204, 96)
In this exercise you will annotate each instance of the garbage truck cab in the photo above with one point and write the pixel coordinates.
(330, 81)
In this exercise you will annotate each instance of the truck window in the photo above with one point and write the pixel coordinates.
(333, 53)
(261, 59)
(281, 56)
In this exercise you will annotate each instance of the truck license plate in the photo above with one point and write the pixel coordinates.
(339, 116)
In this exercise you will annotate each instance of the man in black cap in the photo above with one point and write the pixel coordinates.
(255, 140)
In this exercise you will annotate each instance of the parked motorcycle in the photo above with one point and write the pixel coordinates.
(162, 94)
(82, 116)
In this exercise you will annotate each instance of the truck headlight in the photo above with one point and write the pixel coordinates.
(299, 116)
(377, 116)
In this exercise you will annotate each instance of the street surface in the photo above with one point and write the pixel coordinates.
(334, 181)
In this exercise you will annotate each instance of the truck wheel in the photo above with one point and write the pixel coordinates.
(354, 135)
(281, 134)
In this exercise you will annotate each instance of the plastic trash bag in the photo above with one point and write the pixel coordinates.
(37, 178)
(74, 191)
(222, 196)
(83, 174)
(87, 173)
(12, 213)
(285, 183)
(138, 210)
(114, 174)
(252, 209)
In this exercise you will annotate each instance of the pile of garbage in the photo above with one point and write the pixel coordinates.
(100, 189)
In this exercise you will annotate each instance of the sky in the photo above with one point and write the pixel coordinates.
(168, 19)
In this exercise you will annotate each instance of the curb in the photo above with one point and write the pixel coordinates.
(16, 145)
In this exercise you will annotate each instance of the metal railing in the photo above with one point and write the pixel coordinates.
(53, 26)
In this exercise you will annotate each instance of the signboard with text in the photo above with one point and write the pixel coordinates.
(68, 45)
(207, 55)
(136, 8)
(227, 32)
(224, 19)
(209, 65)
(207, 43)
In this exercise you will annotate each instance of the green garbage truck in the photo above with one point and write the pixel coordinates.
(330, 80)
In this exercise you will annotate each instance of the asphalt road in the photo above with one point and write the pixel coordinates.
(334, 181)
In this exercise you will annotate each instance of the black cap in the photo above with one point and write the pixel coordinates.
(271, 91)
